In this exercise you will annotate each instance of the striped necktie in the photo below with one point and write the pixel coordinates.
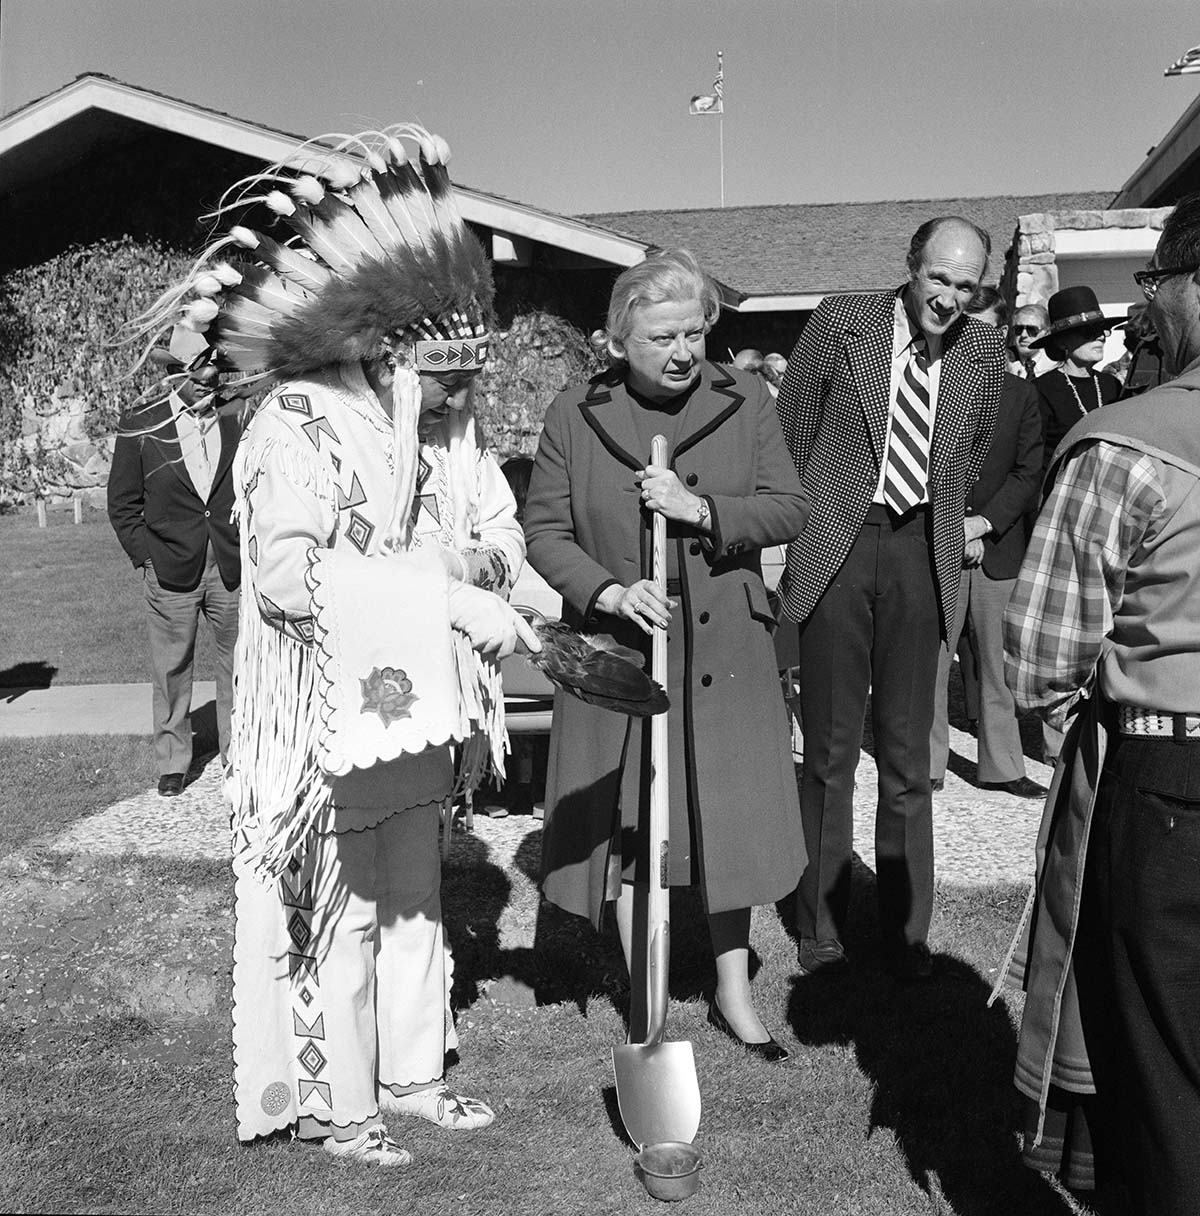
(907, 477)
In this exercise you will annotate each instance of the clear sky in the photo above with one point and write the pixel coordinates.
(582, 106)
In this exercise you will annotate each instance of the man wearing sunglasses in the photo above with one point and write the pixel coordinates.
(1103, 635)
(1029, 321)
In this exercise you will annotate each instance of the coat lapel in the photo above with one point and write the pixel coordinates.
(164, 435)
(608, 410)
(231, 431)
(869, 351)
(715, 399)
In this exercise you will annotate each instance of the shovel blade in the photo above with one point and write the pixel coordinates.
(657, 1091)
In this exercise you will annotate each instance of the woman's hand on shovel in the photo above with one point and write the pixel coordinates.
(643, 603)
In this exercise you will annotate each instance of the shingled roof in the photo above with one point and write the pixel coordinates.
(814, 248)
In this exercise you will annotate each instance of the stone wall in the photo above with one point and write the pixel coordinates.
(57, 459)
(1031, 273)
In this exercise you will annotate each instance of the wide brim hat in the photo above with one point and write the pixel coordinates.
(1073, 308)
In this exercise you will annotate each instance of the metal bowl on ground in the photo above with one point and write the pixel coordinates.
(669, 1171)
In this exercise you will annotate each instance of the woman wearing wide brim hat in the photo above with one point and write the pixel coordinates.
(1075, 337)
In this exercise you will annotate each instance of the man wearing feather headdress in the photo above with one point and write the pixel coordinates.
(378, 542)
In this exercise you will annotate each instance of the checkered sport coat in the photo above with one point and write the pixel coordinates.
(833, 406)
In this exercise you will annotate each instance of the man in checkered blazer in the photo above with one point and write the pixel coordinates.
(887, 407)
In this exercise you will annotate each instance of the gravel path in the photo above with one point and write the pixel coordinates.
(981, 836)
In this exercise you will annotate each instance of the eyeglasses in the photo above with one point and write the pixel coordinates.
(1031, 330)
(1149, 280)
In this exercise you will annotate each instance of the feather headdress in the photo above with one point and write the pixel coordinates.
(378, 250)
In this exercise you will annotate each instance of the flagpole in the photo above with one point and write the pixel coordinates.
(720, 85)
(721, 121)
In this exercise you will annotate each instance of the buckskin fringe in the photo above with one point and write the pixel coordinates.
(275, 785)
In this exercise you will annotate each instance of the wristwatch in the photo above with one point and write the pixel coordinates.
(701, 512)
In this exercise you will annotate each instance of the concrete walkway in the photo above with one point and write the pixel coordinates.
(85, 709)
(980, 836)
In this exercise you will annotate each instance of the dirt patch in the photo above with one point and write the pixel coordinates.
(111, 947)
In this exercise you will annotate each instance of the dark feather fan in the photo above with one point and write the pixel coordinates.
(597, 671)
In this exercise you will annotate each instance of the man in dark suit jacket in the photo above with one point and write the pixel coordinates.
(170, 502)
(998, 507)
(887, 407)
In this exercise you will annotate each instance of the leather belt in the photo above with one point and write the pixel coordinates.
(1153, 724)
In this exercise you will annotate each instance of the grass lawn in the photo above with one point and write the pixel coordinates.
(73, 609)
(115, 1031)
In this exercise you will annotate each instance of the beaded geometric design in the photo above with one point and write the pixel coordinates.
(304, 1030)
(359, 532)
(304, 964)
(311, 1059)
(298, 403)
(355, 498)
(318, 427)
(298, 930)
(440, 355)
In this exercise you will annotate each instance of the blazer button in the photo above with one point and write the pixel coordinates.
(704, 618)
(692, 479)
(694, 548)
(207, 514)
(706, 680)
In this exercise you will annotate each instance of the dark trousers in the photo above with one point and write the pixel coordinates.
(174, 618)
(1138, 960)
(875, 630)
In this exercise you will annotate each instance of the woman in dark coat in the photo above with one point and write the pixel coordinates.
(728, 489)
(1075, 388)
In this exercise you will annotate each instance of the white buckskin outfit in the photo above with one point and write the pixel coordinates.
(359, 902)
(366, 695)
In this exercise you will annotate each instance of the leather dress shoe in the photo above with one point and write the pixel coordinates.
(770, 1051)
(170, 785)
(910, 963)
(1022, 787)
(820, 954)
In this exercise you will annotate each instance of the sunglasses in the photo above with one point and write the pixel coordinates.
(1149, 280)
(1031, 330)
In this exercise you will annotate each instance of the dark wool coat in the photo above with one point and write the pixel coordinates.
(730, 753)
(834, 405)
(1007, 489)
(155, 509)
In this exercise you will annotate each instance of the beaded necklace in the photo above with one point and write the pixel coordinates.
(1075, 392)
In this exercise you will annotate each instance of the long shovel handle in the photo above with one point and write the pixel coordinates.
(658, 904)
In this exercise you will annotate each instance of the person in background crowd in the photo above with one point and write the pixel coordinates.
(1024, 359)
(774, 365)
(749, 360)
(998, 505)
(1075, 339)
(170, 502)
(727, 491)
(1068, 392)
(1101, 634)
(887, 407)
(1140, 364)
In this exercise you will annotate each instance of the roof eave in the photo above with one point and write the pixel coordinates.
(1168, 157)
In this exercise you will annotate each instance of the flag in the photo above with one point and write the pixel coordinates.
(1186, 65)
(714, 102)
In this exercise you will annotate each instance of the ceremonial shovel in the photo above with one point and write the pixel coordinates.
(657, 1091)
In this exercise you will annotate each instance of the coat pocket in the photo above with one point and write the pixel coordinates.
(758, 603)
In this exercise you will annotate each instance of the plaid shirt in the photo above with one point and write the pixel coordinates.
(1073, 576)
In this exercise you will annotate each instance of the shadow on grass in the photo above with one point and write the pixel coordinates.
(940, 1061)
(31, 674)
(566, 959)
